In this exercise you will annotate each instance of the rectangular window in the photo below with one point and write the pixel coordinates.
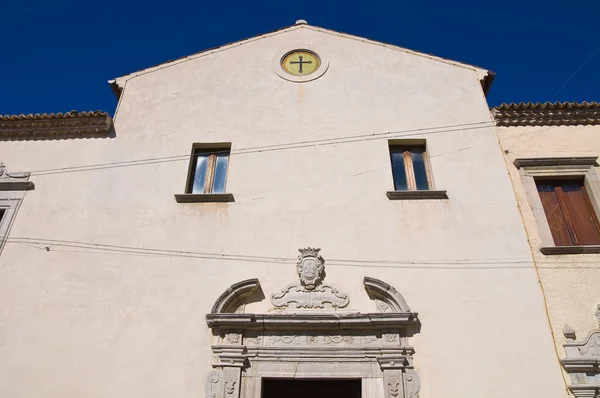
(569, 211)
(208, 170)
(410, 168)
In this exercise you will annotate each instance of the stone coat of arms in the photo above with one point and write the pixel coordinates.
(310, 293)
(310, 267)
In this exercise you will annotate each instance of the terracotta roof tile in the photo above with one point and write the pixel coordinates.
(55, 125)
(547, 114)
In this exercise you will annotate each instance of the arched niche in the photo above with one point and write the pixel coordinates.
(312, 340)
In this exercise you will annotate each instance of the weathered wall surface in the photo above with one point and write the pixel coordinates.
(570, 281)
(107, 322)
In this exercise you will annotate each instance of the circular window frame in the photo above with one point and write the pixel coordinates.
(282, 73)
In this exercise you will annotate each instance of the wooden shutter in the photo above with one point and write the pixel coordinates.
(569, 212)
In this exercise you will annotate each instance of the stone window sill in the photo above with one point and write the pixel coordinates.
(416, 195)
(16, 185)
(204, 197)
(554, 250)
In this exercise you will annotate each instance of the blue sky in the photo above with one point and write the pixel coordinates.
(56, 56)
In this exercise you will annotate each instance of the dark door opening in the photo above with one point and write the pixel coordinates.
(311, 388)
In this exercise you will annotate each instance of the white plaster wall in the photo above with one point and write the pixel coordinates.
(571, 281)
(103, 322)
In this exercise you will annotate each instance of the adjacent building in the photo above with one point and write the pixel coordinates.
(336, 218)
(551, 152)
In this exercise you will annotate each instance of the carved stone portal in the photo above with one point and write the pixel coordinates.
(313, 344)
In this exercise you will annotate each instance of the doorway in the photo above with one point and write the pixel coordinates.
(311, 388)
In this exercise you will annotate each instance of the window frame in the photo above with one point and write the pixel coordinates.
(13, 187)
(532, 169)
(409, 166)
(412, 192)
(10, 205)
(188, 196)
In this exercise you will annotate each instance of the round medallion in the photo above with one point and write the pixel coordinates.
(300, 62)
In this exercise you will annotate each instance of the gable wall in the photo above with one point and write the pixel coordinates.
(105, 322)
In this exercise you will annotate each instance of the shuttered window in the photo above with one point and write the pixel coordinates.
(410, 167)
(569, 211)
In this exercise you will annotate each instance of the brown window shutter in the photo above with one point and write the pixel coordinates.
(581, 219)
(554, 214)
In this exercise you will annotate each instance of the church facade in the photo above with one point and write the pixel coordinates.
(336, 220)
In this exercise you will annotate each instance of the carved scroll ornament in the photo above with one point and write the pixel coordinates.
(310, 293)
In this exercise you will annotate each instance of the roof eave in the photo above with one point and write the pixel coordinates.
(487, 81)
(114, 86)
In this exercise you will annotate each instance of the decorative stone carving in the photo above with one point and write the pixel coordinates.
(369, 339)
(285, 339)
(241, 309)
(252, 340)
(412, 384)
(299, 297)
(390, 338)
(582, 362)
(382, 307)
(212, 384)
(230, 382)
(338, 339)
(569, 333)
(234, 338)
(394, 385)
(591, 347)
(312, 340)
(310, 267)
(310, 293)
(230, 387)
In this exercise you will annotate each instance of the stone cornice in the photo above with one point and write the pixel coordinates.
(55, 125)
(14, 181)
(547, 114)
(312, 321)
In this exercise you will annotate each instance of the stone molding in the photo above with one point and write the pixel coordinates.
(380, 290)
(313, 343)
(203, 197)
(233, 297)
(555, 250)
(14, 181)
(310, 321)
(416, 195)
(564, 161)
(582, 361)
